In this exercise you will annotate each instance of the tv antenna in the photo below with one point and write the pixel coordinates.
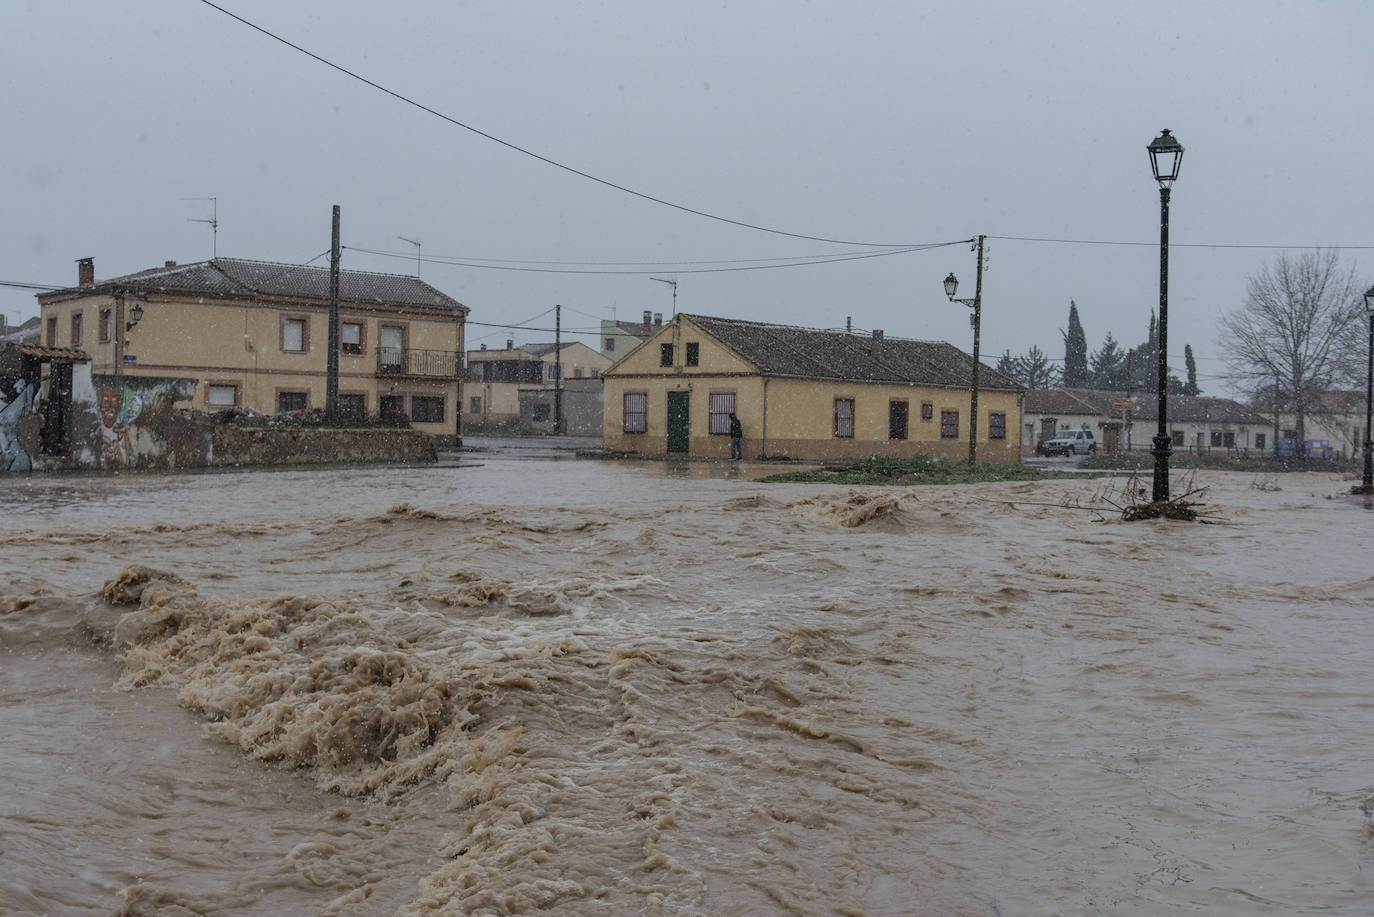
(673, 284)
(213, 221)
(416, 243)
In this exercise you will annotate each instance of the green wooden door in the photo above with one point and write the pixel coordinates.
(679, 404)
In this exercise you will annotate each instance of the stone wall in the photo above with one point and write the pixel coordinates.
(231, 446)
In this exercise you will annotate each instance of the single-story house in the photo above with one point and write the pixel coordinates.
(802, 393)
(1128, 421)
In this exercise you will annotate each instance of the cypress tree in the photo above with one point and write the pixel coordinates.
(1075, 351)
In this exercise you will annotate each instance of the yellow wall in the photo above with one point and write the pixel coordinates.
(789, 418)
(240, 343)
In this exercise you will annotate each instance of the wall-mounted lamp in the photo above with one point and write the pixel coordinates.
(135, 316)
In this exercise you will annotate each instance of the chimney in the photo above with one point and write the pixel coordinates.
(85, 271)
(484, 346)
(877, 334)
(658, 319)
(510, 343)
(648, 319)
(849, 324)
(169, 264)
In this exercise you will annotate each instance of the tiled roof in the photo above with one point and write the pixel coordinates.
(1182, 408)
(239, 278)
(53, 353)
(808, 353)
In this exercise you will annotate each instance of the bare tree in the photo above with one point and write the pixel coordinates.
(1296, 332)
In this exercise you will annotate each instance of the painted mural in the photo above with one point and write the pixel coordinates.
(19, 423)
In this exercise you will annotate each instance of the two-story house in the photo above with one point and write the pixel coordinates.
(254, 335)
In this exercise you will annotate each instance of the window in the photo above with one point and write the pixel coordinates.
(221, 396)
(52, 332)
(291, 401)
(76, 329)
(427, 408)
(390, 344)
(997, 425)
(1178, 437)
(1216, 437)
(596, 374)
(949, 424)
(722, 406)
(1228, 439)
(896, 419)
(577, 372)
(540, 413)
(610, 345)
(844, 418)
(351, 338)
(636, 412)
(1259, 440)
(475, 405)
(352, 407)
(693, 354)
(665, 354)
(927, 411)
(293, 335)
(392, 410)
(106, 323)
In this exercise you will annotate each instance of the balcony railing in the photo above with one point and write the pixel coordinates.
(405, 361)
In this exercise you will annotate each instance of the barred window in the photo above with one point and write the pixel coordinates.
(693, 354)
(927, 410)
(427, 408)
(665, 354)
(637, 412)
(997, 425)
(844, 418)
(896, 420)
(722, 406)
(949, 424)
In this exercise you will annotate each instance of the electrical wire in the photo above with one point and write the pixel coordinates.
(455, 262)
(1338, 246)
(533, 155)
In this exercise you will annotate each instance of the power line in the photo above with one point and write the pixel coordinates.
(533, 155)
(457, 262)
(1337, 246)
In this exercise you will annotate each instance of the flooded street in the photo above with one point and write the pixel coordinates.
(521, 683)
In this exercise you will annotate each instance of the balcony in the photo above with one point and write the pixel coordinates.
(421, 364)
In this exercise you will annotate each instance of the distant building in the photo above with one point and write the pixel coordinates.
(1196, 423)
(505, 388)
(27, 332)
(254, 335)
(802, 393)
(619, 338)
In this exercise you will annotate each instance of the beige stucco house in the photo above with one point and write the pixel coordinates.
(496, 380)
(254, 335)
(802, 393)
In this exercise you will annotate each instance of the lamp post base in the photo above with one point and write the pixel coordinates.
(1161, 452)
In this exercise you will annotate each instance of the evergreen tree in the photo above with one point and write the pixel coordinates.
(1037, 371)
(1009, 366)
(1108, 365)
(1190, 387)
(1075, 351)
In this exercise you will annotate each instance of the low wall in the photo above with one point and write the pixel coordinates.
(230, 446)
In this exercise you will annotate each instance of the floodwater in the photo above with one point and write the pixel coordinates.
(526, 685)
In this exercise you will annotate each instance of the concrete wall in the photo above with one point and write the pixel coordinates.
(127, 422)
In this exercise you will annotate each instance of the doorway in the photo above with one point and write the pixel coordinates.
(679, 426)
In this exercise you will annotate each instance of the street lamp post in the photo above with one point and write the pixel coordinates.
(1368, 481)
(976, 303)
(1165, 157)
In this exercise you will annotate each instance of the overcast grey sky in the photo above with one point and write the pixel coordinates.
(868, 121)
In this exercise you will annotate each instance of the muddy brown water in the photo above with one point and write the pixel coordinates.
(576, 687)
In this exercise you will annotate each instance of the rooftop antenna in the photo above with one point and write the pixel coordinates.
(416, 243)
(673, 284)
(213, 221)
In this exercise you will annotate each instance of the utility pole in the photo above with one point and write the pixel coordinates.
(976, 320)
(557, 370)
(331, 376)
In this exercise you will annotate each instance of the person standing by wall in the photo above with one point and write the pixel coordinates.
(736, 438)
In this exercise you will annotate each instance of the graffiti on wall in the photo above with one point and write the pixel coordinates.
(19, 425)
(135, 423)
